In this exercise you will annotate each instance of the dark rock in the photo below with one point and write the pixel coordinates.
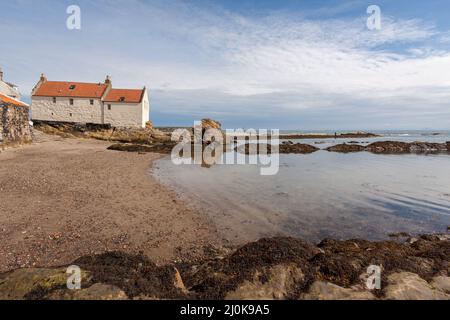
(164, 148)
(346, 148)
(389, 147)
(403, 147)
(285, 148)
(427, 147)
(275, 268)
(297, 148)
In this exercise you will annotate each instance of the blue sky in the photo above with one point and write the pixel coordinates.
(289, 64)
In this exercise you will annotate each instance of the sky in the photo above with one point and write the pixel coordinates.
(292, 64)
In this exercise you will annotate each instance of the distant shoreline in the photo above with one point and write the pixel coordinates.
(327, 136)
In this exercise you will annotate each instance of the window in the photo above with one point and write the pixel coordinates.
(54, 100)
(71, 102)
(70, 114)
(109, 107)
(91, 102)
(72, 87)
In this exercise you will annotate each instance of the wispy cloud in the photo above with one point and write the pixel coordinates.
(206, 60)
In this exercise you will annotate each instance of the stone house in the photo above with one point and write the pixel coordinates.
(8, 89)
(14, 121)
(97, 103)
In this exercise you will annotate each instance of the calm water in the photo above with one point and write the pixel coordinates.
(322, 194)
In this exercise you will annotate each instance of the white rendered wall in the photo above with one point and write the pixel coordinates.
(43, 108)
(124, 114)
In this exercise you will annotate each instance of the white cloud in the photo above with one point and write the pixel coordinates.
(282, 61)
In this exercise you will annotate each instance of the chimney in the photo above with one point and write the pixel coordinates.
(1, 74)
(43, 78)
(108, 81)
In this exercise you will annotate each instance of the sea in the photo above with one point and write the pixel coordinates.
(323, 194)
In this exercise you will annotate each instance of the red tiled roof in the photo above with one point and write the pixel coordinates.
(15, 102)
(124, 95)
(70, 89)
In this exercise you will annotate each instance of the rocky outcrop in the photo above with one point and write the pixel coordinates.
(210, 124)
(275, 268)
(346, 148)
(393, 147)
(284, 148)
(409, 286)
(346, 135)
(102, 132)
(163, 148)
(297, 148)
(321, 290)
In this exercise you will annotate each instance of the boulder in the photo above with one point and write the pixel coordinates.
(149, 125)
(441, 283)
(30, 283)
(210, 124)
(321, 290)
(409, 286)
(277, 282)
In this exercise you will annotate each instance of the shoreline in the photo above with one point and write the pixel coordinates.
(85, 205)
(79, 198)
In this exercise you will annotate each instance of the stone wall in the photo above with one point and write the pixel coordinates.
(14, 124)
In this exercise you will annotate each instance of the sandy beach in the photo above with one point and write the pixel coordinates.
(65, 198)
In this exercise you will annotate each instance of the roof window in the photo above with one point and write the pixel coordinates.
(72, 87)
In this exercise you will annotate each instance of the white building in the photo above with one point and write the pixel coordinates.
(81, 102)
(8, 89)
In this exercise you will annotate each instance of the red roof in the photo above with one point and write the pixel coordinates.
(70, 89)
(9, 100)
(125, 95)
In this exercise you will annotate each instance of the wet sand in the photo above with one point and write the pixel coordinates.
(64, 198)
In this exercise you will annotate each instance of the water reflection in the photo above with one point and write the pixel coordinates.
(320, 195)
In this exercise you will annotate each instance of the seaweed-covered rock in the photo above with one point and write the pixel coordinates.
(345, 148)
(272, 268)
(164, 148)
(298, 148)
(34, 282)
(389, 147)
(404, 147)
(284, 148)
(427, 147)
(252, 266)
